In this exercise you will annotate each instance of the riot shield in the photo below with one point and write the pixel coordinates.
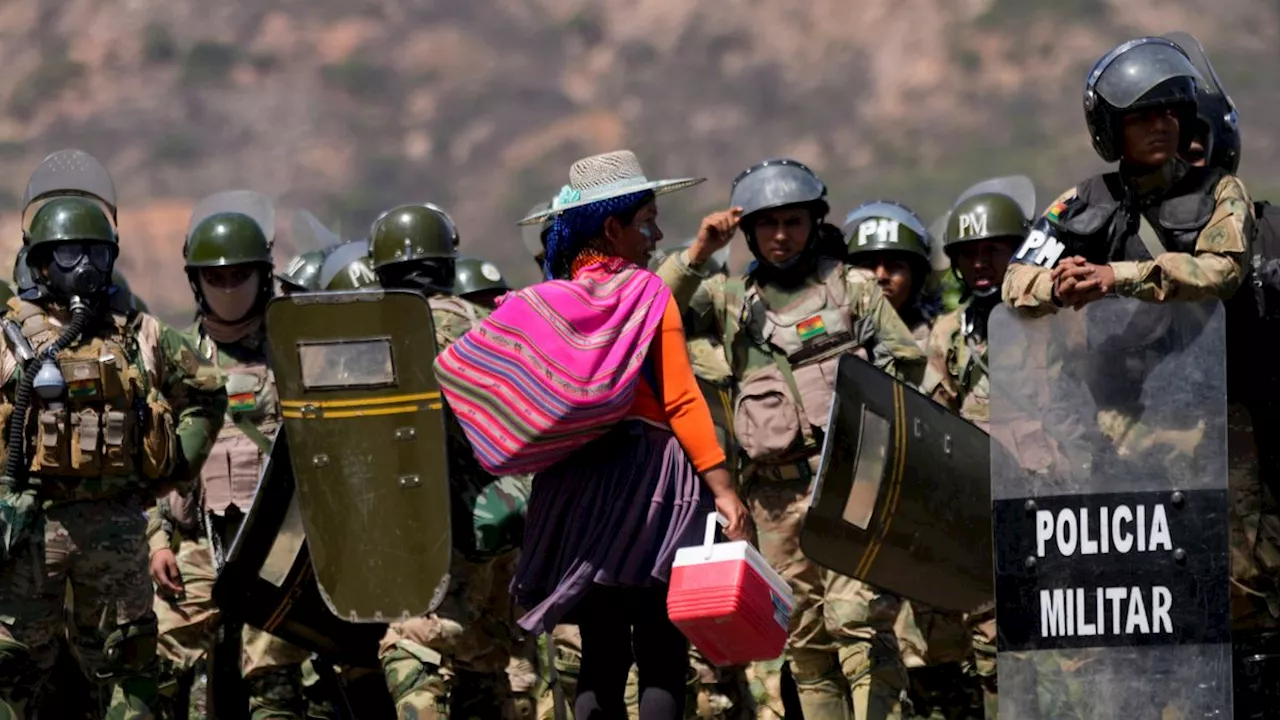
(71, 172)
(245, 202)
(340, 259)
(1110, 511)
(268, 580)
(1018, 187)
(308, 233)
(1211, 84)
(366, 427)
(901, 498)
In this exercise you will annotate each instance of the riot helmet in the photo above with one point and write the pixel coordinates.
(884, 229)
(71, 247)
(775, 184)
(347, 267)
(228, 243)
(414, 246)
(479, 281)
(998, 210)
(1218, 119)
(1142, 74)
(312, 242)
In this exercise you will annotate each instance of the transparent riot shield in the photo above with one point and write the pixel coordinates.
(71, 172)
(245, 202)
(366, 428)
(1109, 504)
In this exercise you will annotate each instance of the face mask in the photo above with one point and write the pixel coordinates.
(80, 269)
(233, 303)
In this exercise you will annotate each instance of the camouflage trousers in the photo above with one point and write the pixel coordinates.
(722, 693)
(272, 667)
(945, 681)
(453, 662)
(843, 644)
(98, 547)
(1254, 531)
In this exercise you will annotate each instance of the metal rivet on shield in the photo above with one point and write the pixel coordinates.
(1179, 556)
(1178, 499)
(406, 433)
(1031, 561)
(1030, 506)
(409, 481)
(946, 444)
(320, 460)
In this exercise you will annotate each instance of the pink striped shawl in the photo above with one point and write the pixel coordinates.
(554, 367)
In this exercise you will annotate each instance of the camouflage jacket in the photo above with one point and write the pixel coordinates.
(1214, 270)
(171, 369)
(957, 373)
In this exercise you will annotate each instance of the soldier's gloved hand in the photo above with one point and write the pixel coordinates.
(164, 571)
(18, 512)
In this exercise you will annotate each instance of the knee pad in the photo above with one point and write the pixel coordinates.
(414, 670)
(131, 648)
(810, 667)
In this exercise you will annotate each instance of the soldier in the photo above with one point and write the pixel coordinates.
(1159, 231)
(228, 263)
(891, 241)
(145, 410)
(793, 314)
(126, 294)
(453, 660)
(982, 231)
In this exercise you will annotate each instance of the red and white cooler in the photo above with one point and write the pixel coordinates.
(726, 599)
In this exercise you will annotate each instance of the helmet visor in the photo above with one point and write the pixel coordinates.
(1138, 69)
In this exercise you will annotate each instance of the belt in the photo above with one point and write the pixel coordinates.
(802, 469)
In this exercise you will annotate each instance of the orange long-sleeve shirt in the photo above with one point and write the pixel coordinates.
(682, 406)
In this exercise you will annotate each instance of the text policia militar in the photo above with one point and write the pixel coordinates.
(1122, 610)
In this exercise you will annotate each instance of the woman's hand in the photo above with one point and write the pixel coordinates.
(731, 507)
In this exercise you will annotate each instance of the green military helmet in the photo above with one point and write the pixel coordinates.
(356, 275)
(412, 232)
(303, 271)
(75, 219)
(226, 238)
(474, 275)
(886, 225)
(985, 216)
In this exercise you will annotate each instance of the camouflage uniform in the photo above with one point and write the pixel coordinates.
(271, 667)
(842, 642)
(94, 533)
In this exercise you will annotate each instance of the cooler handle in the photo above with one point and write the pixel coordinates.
(708, 540)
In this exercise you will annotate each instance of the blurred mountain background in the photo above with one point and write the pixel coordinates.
(347, 108)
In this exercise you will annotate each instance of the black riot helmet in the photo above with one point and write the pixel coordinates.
(1140, 74)
(776, 184)
(1216, 111)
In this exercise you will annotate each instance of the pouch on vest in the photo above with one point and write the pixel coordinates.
(766, 416)
(158, 454)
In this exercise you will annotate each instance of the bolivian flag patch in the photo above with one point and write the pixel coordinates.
(811, 328)
(1056, 211)
(242, 402)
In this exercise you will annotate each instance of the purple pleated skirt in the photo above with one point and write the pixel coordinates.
(612, 514)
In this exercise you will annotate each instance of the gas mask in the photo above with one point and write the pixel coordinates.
(80, 268)
(232, 304)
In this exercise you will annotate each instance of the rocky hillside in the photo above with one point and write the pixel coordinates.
(348, 108)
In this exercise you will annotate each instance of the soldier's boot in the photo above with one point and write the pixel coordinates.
(877, 678)
(522, 675)
(175, 686)
(128, 686)
(419, 685)
(275, 693)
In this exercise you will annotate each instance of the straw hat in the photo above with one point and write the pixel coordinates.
(601, 177)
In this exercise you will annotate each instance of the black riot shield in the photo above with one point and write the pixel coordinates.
(1109, 502)
(901, 499)
(366, 427)
(268, 580)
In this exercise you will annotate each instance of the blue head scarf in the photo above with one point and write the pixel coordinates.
(574, 227)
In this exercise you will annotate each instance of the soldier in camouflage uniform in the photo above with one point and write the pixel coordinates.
(145, 409)
(784, 326)
(891, 241)
(228, 262)
(982, 232)
(454, 660)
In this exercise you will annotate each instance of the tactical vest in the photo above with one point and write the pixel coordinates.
(967, 364)
(113, 425)
(1100, 225)
(787, 361)
(230, 475)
